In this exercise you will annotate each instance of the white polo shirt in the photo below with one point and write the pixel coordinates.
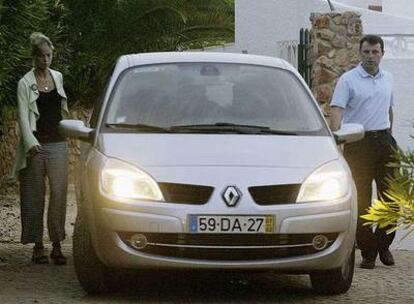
(366, 99)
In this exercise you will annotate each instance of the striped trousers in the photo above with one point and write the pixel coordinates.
(51, 164)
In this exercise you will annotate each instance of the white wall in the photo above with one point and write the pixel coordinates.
(260, 25)
(224, 48)
(403, 8)
(361, 3)
(402, 70)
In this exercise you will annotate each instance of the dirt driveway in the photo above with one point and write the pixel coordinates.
(23, 282)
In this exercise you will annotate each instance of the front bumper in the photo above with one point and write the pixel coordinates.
(336, 219)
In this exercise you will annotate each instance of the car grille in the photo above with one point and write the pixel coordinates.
(233, 247)
(199, 195)
(185, 193)
(275, 194)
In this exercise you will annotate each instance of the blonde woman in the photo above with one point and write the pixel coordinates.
(42, 152)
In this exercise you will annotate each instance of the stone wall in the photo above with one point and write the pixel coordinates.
(9, 134)
(334, 50)
(8, 142)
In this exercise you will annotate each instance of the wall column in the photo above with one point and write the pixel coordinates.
(334, 50)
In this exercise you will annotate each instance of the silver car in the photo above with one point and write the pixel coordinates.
(212, 161)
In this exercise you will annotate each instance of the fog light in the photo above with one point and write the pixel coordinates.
(319, 242)
(138, 241)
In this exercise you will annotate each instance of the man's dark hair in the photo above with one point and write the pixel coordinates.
(372, 39)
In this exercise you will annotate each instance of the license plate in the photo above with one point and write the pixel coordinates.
(231, 223)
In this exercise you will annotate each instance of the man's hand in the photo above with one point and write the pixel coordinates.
(391, 114)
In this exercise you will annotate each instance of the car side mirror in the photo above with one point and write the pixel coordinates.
(349, 133)
(76, 129)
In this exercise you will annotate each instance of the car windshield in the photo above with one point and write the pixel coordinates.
(212, 98)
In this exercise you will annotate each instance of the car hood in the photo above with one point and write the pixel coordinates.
(217, 150)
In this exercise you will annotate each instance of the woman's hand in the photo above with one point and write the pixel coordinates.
(33, 151)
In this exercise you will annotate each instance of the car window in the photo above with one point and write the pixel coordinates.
(180, 94)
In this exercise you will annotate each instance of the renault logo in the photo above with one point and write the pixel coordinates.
(231, 196)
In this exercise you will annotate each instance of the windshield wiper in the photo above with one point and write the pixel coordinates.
(224, 127)
(138, 127)
(219, 127)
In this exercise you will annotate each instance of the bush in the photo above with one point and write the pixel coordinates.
(18, 19)
(396, 209)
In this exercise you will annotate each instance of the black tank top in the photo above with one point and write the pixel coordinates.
(49, 106)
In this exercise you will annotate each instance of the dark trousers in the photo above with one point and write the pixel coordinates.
(368, 159)
(51, 163)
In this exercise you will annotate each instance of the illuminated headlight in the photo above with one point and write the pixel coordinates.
(329, 182)
(121, 180)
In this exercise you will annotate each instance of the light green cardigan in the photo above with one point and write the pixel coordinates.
(28, 114)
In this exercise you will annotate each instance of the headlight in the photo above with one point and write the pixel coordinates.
(329, 182)
(122, 180)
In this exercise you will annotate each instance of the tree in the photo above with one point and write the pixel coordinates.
(102, 30)
(18, 19)
(396, 209)
(90, 35)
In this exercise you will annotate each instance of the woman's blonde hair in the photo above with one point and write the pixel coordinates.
(37, 40)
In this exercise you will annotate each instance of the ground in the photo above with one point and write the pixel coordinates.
(23, 282)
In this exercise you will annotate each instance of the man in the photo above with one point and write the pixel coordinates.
(364, 95)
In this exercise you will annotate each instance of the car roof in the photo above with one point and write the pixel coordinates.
(132, 60)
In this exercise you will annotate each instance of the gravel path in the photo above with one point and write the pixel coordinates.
(23, 282)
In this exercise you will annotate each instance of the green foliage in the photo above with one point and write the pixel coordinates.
(18, 19)
(103, 30)
(90, 35)
(396, 209)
